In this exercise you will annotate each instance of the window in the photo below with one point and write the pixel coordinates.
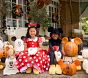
(52, 11)
(12, 20)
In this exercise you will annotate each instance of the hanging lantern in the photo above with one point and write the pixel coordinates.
(17, 11)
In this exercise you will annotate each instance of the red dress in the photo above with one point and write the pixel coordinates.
(40, 60)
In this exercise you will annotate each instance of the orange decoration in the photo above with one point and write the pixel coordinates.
(77, 62)
(64, 40)
(77, 40)
(61, 63)
(1, 53)
(71, 49)
(70, 69)
(67, 69)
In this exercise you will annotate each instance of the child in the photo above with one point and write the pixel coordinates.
(33, 57)
(55, 48)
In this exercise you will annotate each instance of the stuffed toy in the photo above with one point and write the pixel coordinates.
(69, 68)
(10, 67)
(55, 49)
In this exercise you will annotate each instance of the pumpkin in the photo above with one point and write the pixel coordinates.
(61, 63)
(64, 40)
(85, 65)
(71, 49)
(70, 69)
(77, 62)
(67, 69)
(4, 53)
(77, 40)
(85, 53)
(1, 53)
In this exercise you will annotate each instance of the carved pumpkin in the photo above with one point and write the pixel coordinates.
(70, 69)
(71, 49)
(67, 69)
(61, 63)
(5, 52)
(64, 41)
(77, 40)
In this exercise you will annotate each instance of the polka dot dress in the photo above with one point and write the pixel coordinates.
(40, 60)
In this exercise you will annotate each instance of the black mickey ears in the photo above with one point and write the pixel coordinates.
(60, 30)
(13, 38)
(55, 30)
(50, 29)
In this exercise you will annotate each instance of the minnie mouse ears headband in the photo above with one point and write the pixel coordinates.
(34, 25)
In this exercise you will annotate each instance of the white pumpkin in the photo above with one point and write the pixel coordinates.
(19, 45)
(85, 53)
(85, 65)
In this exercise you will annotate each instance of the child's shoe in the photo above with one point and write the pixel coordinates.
(35, 71)
(29, 70)
(52, 69)
(58, 69)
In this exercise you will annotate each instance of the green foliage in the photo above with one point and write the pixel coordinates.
(84, 23)
(39, 15)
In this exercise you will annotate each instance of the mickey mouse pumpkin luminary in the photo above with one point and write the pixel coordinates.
(71, 47)
(69, 68)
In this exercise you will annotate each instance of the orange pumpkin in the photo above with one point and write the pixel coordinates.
(61, 63)
(67, 69)
(64, 40)
(71, 49)
(77, 62)
(1, 53)
(77, 40)
(70, 69)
